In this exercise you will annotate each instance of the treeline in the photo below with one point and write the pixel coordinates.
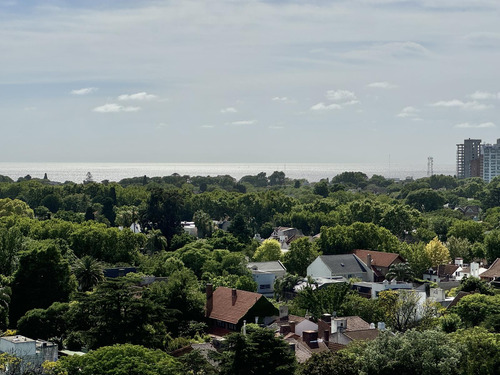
(56, 240)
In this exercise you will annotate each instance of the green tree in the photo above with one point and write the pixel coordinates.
(163, 211)
(474, 309)
(269, 250)
(88, 272)
(5, 293)
(43, 277)
(320, 301)
(11, 243)
(475, 284)
(155, 241)
(259, 352)
(119, 360)
(424, 353)
(403, 309)
(481, 351)
(47, 324)
(425, 200)
(328, 363)
(492, 245)
(204, 224)
(471, 230)
(15, 207)
(300, 256)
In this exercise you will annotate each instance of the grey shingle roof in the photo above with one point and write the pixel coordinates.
(343, 263)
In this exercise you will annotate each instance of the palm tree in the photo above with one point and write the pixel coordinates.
(4, 306)
(88, 272)
(400, 272)
(155, 241)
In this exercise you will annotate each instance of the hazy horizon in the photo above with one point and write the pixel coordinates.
(247, 81)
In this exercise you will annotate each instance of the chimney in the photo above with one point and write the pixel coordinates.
(326, 336)
(292, 326)
(210, 301)
(369, 260)
(310, 336)
(285, 329)
(233, 294)
(327, 318)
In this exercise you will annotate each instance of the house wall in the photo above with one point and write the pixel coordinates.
(318, 269)
(265, 283)
(305, 325)
(19, 348)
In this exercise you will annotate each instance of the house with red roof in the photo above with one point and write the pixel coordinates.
(228, 308)
(379, 261)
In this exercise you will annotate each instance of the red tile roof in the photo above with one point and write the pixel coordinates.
(379, 258)
(231, 309)
(493, 271)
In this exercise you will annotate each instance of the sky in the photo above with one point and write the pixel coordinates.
(339, 81)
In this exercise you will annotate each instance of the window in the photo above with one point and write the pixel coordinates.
(265, 286)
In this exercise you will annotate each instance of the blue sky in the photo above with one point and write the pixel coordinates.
(247, 81)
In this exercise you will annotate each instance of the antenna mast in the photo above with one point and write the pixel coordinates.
(430, 166)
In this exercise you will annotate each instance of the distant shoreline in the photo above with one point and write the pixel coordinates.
(313, 172)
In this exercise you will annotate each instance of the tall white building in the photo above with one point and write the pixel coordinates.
(491, 161)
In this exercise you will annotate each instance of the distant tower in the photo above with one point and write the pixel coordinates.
(430, 166)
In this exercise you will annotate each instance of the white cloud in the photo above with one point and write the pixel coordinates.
(114, 108)
(140, 96)
(340, 95)
(84, 91)
(229, 110)
(161, 125)
(481, 125)
(483, 95)
(282, 99)
(408, 112)
(382, 85)
(473, 105)
(243, 122)
(324, 107)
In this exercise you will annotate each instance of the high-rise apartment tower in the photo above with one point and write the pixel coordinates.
(491, 161)
(469, 159)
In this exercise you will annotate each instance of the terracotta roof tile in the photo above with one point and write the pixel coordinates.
(493, 271)
(379, 258)
(229, 309)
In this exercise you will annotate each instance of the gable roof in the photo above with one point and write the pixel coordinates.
(447, 269)
(231, 309)
(343, 263)
(379, 258)
(363, 334)
(493, 271)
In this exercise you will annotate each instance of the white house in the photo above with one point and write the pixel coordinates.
(345, 265)
(265, 274)
(31, 352)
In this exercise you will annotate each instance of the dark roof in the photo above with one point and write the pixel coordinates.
(493, 271)
(457, 298)
(447, 269)
(379, 258)
(231, 309)
(343, 263)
